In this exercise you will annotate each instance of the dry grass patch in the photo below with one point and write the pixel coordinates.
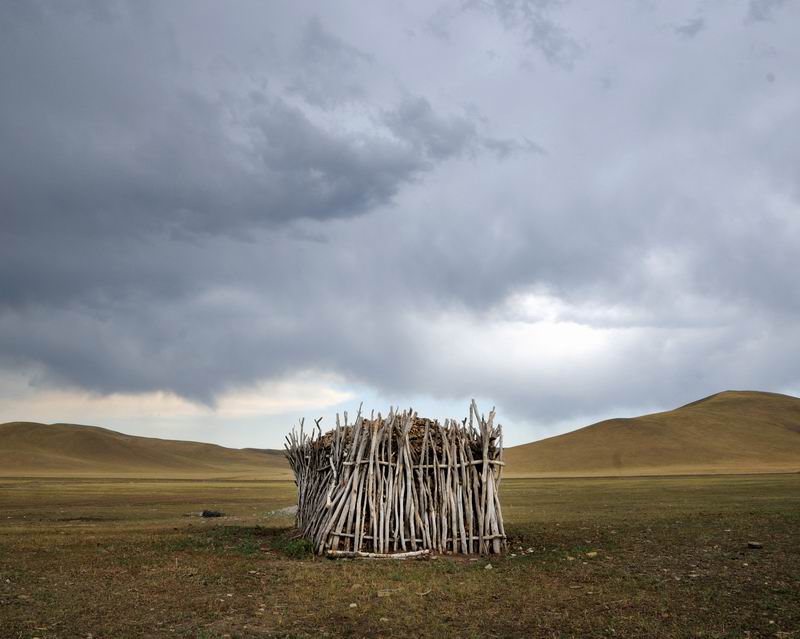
(671, 561)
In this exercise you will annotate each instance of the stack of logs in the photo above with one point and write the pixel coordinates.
(400, 485)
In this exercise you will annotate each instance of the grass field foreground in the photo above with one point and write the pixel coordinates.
(648, 557)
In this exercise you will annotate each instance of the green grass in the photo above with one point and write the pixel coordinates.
(126, 559)
(293, 546)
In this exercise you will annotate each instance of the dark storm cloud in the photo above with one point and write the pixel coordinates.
(194, 200)
(113, 133)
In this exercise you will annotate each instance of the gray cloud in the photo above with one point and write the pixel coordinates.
(534, 18)
(436, 137)
(327, 68)
(193, 202)
(762, 10)
(130, 141)
(691, 28)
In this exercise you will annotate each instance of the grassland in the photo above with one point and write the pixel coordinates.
(127, 558)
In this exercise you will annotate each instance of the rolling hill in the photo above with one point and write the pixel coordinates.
(730, 432)
(31, 449)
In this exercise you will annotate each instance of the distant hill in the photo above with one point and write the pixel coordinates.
(730, 432)
(31, 449)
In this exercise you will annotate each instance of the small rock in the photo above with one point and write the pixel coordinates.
(570, 558)
(354, 605)
(487, 567)
(755, 544)
(529, 550)
(591, 555)
(384, 619)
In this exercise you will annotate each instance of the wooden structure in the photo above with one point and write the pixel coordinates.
(400, 485)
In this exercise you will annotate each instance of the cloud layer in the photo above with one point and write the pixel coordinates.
(565, 211)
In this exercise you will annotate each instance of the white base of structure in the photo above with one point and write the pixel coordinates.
(356, 554)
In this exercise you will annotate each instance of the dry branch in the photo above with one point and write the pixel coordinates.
(400, 485)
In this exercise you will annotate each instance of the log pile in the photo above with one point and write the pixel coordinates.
(400, 484)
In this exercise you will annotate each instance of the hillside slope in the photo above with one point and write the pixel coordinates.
(31, 449)
(730, 432)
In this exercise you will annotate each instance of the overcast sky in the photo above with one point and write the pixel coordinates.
(217, 217)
